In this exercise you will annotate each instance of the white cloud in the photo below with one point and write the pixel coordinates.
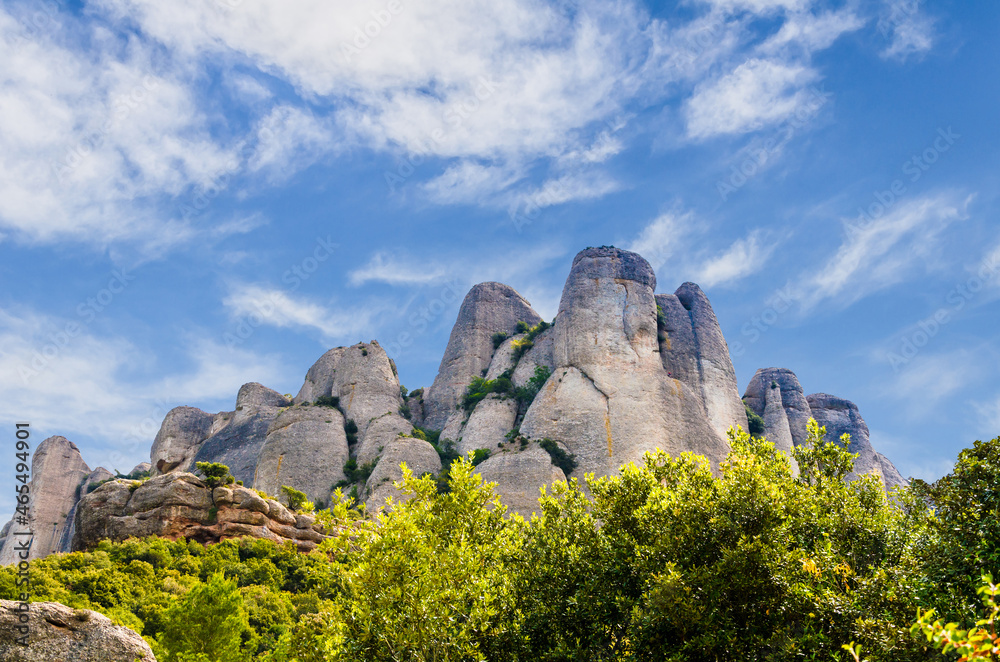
(745, 257)
(882, 253)
(278, 308)
(756, 94)
(288, 140)
(663, 237)
(468, 182)
(393, 270)
(105, 388)
(911, 32)
(811, 32)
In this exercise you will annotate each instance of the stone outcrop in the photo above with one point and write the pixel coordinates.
(420, 458)
(180, 505)
(58, 475)
(610, 398)
(775, 395)
(518, 475)
(181, 434)
(58, 632)
(488, 308)
(305, 448)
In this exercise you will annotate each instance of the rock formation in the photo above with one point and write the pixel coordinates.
(775, 395)
(611, 398)
(180, 505)
(58, 477)
(488, 308)
(621, 371)
(58, 632)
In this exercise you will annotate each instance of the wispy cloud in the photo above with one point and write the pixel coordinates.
(909, 29)
(884, 252)
(745, 257)
(278, 308)
(663, 237)
(392, 269)
(756, 94)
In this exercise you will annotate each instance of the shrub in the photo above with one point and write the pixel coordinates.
(979, 642)
(404, 411)
(297, 501)
(327, 401)
(214, 473)
(755, 422)
(206, 624)
(560, 458)
(351, 430)
(356, 474)
(479, 388)
(498, 339)
(522, 345)
(479, 456)
(525, 395)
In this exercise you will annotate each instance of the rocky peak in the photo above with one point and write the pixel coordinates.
(487, 309)
(793, 399)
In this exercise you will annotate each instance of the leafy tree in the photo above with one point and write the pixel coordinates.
(214, 473)
(297, 501)
(208, 623)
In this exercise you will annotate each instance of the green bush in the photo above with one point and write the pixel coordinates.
(327, 401)
(351, 430)
(479, 388)
(206, 624)
(755, 422)
(525, 395)
(356, 474)
(479, 456)
(214, 474)
(297, 501)
(498, 339)
(560, 458)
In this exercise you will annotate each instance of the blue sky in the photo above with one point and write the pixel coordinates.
(197, 194)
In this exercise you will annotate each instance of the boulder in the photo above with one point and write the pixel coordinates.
(488, 424)
(58, 632)
(255, 396)
(306, 448)
(610, 399)
(519, 475)
(793, 401)
(57, 480)
(488, 308)
(419, 456)
(142, 467)
(180, 435)
(180, 505)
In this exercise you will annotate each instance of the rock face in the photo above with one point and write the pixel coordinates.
(180, 505)
(305, 448)
(776, 396)
(610, 397)
(488, 308)
(58, 473)
(58, 632)
(419, 456)
(519, 475)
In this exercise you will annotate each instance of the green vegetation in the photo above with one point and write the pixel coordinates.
(498, 339)
(479, 388)
(354, 473)
(665, 561)
(479, 456)
(297, 501)
(522, 345)
(525, 395)
(214, 474)
(351, 430)
(755, 422)
(327, 401)
(560, 458)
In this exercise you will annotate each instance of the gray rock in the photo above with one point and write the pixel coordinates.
(488, 424)
(141, 467)
(306, 448)
(57, 475)
(891, 477)
(379, 433)
(609, 399)
(519, 475)
(419, 456)
(719, 391)
(540, 354)
(793, 401)
(503, 358)
(255, 396)
(840, 417)
(58, 632)
(239, 443)
(181, 434)
(98, 475)
(488, 308)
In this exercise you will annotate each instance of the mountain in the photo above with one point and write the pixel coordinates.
(620, 371)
